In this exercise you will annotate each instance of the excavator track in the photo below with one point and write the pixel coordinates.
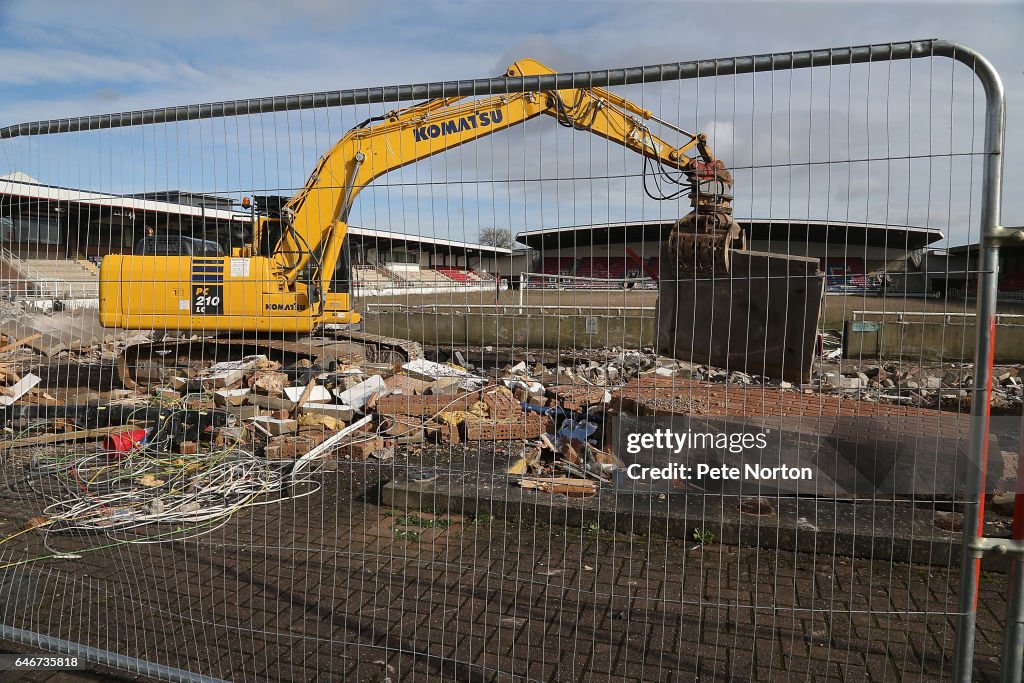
(154, 362)
(383, 349)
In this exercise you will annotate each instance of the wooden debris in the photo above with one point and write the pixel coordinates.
(9, 375)
(80, 435)
(569, 486)
(21, 342)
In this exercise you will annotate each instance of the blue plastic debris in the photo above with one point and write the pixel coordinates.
(577, 430)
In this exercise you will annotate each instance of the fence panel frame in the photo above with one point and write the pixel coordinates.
(992, 233)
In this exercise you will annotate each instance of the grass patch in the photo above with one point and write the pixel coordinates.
(423, 522)
(407, 534)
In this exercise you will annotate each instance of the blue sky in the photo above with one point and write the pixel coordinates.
(73, 58)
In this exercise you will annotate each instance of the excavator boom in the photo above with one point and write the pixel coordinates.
(290, 278)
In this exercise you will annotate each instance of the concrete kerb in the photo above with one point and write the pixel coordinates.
(893, 531)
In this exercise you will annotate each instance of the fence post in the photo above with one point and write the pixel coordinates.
(995, 132)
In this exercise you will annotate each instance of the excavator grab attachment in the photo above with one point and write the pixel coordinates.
(721, 304)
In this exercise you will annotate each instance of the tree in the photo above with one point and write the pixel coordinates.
(496, 237)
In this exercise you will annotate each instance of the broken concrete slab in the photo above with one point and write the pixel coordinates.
(269, 402)
(269, 382)
(852, 531)
(10, 395)
(230, 397)
(338, 412)
(62, 331)
(358, 395)
(318, 394)
(742, 320)
(243, 412)
(405, 384)
(429, 370)
(445, 386)
(277, 426)
(166, 394)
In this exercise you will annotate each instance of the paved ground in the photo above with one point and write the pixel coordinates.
(330, 587)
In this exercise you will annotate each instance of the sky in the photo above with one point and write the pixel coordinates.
(894, 144)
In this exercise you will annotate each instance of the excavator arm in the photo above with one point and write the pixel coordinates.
(729, 307)
(316, 217)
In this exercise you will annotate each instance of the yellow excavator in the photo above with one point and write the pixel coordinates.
(291, 277)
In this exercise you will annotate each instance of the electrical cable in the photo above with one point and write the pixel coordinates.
(152, 487)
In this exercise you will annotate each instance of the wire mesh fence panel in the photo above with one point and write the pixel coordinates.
(639, 374)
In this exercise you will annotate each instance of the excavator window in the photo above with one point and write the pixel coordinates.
(176, 245)
(341, 281)
(270, 236)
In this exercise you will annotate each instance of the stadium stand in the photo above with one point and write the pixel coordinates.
(456, 274)
(371, 276)
(846, 276)
(602, 267)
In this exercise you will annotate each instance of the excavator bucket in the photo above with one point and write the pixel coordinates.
(726, 306)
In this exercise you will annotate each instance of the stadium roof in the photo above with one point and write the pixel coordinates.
(817, 231)
(25, 193)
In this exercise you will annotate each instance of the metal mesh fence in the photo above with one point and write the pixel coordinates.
(639, 374)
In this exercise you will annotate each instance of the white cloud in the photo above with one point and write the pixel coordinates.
(61, 67)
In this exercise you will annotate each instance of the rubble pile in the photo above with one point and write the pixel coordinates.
(941, 388)
(254, 408)
(265, 417)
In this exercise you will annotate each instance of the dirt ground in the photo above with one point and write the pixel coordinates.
(334, 587)
(837, 308)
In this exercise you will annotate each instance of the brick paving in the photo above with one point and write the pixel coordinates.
(330, 587)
